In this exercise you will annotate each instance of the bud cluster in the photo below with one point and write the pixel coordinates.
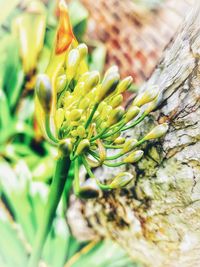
(83, 114)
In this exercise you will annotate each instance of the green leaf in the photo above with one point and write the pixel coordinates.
(97, 58)
(104, 254)
(12, 249)
(78, 16)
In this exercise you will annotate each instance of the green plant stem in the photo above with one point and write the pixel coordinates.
(91, 115)
(56, 190)
(135, 122)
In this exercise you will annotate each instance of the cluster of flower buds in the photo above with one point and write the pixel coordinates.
(83, 114)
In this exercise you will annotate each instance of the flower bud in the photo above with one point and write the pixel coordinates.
(129, 145)
(59, 117)
(115, 115)
(82, 146)
(108, 85)
(44, 91)
(119, 140)
(83, 50)
(91, 81)
(81, 131)
(61, 83)
(106, 111)
(73, 60)
(111, 70)
(116, 101)
(75, 114)
(132, 112)
(146, 96)
(134, 156)
(66, 146)
(121, 180)
(89, 189)
(124, 84)
(157, 132)
(151, 106)
(84, 103)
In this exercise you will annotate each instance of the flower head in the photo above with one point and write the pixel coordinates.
(82, 113)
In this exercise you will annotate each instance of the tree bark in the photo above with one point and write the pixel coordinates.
(157, 220)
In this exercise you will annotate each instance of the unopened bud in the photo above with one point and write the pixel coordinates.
(157, 132)
(75, 114)
(151, 106)
(73, 60)
(108, 85)
(44, 91)
(146, 96)
(134, 156)
(91, 81)
(132, 112)
(124, 84)
(121, 180)
(116, 101)
(82, 146)
(61, 83)
(111, 70)
(83, 50)
(84, 103)
(119, 140)
(129, 145)
(81, 131)
(115, 115)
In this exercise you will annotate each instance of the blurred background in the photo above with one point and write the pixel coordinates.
(131, 34)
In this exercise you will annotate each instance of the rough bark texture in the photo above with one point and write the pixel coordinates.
(157, 220)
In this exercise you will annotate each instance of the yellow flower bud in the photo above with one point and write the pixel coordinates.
(106, 111)
(61, 83)
(101, 106)
(151, 106)
(134, 156)
(129, 145)
(73, 60)
(44, 92)
(111, 70)
(157, 132)
(75, 114)
(83, 50)
(59, 117)
(121, 180)
(84, 103)
(81, 131)
(91, 81)
(108, 85)
(116, 101)
(124, 84)
(120, 140)
(82, 146)
(115, 116)
(146, 96)
(74, 133)
(132, 112)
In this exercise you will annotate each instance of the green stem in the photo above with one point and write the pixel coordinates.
(56, 190)
(135, 122)
(91, 115)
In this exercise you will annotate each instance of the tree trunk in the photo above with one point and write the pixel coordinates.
(157, 220)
